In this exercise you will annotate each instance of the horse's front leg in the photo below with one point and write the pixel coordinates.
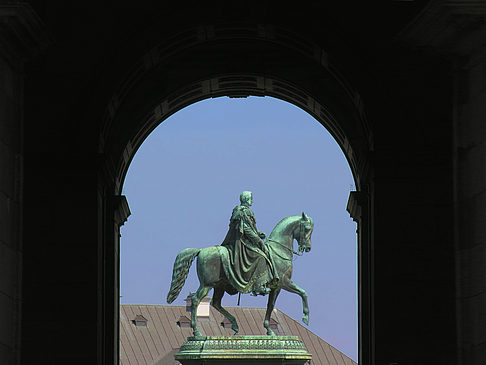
(290, 286)
(201, 292)
(272, 298)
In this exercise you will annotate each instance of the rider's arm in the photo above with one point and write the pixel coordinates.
(250, 231)
(252, 235)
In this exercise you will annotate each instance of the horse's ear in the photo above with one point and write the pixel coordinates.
(304, 217)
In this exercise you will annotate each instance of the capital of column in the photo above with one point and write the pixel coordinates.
(121, 209)
(356, 202)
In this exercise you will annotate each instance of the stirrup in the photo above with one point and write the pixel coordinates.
(262, 291)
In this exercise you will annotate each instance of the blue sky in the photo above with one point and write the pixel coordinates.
(187, 176)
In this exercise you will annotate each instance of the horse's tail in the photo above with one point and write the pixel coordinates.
(182, 265)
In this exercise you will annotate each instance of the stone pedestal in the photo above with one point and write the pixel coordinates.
(243, 350)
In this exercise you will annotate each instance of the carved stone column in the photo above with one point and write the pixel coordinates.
(456, 30)
(22, 36)
(121, 212)
(358, 208)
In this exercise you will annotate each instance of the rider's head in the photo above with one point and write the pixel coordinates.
(246, 198)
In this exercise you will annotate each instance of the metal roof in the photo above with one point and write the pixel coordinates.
(157, 343)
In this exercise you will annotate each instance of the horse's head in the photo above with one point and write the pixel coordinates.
(303, 233)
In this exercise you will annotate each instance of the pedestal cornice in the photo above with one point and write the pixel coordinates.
(243, 348)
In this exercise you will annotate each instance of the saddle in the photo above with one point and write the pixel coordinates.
(235, 286)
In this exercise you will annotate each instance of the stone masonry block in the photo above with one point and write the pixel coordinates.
(464, 133)
(7, 79)
(472, 215)
(472, 171)
(7, 317)
(477, 115)
(6, 354)
(16, 226)
(6, 219)
(471, 126)
(476, 78)
(479, 218)
(478, 354)
(7, 172)
(9, 122)
(472, 270)
(474, 319)
(9, 263)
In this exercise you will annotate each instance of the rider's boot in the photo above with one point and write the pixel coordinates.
(261, 291)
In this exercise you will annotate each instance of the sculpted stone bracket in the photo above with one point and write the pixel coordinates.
(356, 202)
(121, 209)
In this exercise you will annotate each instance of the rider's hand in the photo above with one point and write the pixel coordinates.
(262, 247)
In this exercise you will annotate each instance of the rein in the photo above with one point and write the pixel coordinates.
(301, 234)
(290, 249)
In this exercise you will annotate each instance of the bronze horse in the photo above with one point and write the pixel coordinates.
(211, 273)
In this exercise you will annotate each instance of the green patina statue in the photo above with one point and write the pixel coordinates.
(245, 263)
(252, 268)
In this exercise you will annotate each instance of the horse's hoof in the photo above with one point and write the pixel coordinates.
(197, 334)
(305, 319)
(236, 329)
(270, 333)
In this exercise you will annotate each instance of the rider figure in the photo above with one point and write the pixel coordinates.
(253, 268)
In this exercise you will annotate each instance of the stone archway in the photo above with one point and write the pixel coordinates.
(215, 61)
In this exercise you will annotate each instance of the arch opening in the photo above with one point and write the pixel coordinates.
(242, 86)
(160, 86)
(301, 185)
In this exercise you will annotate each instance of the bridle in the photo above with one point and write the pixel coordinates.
(287, 248)
(301, 237)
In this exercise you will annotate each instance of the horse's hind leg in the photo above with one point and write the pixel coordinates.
(272, 298)
(216, 303)
(290, 286)
(201, 292)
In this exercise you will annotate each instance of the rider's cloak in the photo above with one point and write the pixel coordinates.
(250, 270)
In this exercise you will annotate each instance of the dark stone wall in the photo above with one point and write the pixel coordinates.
(70, 217)
(470, 204)
(10, 210)
(414, 271)
(61, 291)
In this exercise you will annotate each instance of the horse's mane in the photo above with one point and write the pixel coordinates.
(284, 222)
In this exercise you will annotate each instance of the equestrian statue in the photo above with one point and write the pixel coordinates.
(245, 263)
